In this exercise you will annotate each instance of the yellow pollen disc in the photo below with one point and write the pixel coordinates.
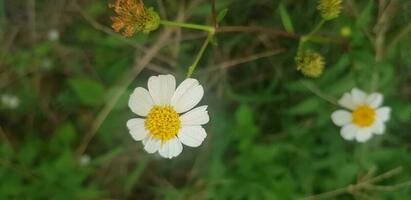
(163, 122)
(363, 116)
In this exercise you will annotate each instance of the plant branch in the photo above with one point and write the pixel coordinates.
(199, 55)
(400, 35)
(243, 59)
(317, 91)
(188, 25)
(364, 184)
(315, 30)
(225, 29)
(214, 14)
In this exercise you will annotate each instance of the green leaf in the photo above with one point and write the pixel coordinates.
(222, 14)
(63, 136)
(307, 106)
(365, 16)
(244, 116)
(135, 174)
(108, 156)
(245, 127)
(285, 18)
(90, 92)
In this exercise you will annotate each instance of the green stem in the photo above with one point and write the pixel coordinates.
(317, 28)
(188, 25)
(300, 46)
(307, 37)
(199, 55)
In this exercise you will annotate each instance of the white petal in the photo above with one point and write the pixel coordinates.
(346, 101)
(383, 114)
(197, 116)
(341, 117)
(375, 100)
(140, 101)
(349, 131)
(137, 129)
(171, 148)
(363, 134)
(192, 136)
(378, 128)
(162, 88)
(358, 96)
(187, 95)
(151, 145)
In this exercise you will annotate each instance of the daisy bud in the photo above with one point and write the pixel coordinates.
(329, 9)
(133, 17)
(310, 63)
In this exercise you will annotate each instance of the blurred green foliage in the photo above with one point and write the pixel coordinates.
(269, 136)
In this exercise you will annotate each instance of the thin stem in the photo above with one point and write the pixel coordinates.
(3, 18)
(386, 175)
(389, 187)
(260, 29)
(363, 185)
(307, 37)
(242, 59)
(188, 25)
(4, 136)
(317, 91)
(214, 14)
(199, 55)
(327, 194)
(401, 34)
(315, 30)
(300, 46)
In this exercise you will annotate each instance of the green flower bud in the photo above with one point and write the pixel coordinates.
(310, 63)
(329, 9)
(133, 16)
(152, 22)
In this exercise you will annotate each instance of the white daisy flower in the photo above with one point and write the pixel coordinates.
(53, 35)
(9, 101)
(365, 116)
(85, 160)
(165, 126)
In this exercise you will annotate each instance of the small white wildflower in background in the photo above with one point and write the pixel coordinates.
(10, 101)
(85, 160)
(53, 35)
(365, 116)
(46, 64)
(165, 126)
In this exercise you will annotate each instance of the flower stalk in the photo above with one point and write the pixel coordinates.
(211, 32)
(199, 55)
(188, 25)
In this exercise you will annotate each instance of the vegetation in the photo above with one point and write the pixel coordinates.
(272, 73)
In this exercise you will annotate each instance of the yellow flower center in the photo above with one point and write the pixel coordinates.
(363, 116)
(163, 122)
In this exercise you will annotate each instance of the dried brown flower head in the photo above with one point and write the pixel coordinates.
(133, 17)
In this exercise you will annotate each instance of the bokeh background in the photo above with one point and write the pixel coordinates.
(270, 135)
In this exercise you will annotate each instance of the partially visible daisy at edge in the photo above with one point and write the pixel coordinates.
(364, 117)
(169, 118)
